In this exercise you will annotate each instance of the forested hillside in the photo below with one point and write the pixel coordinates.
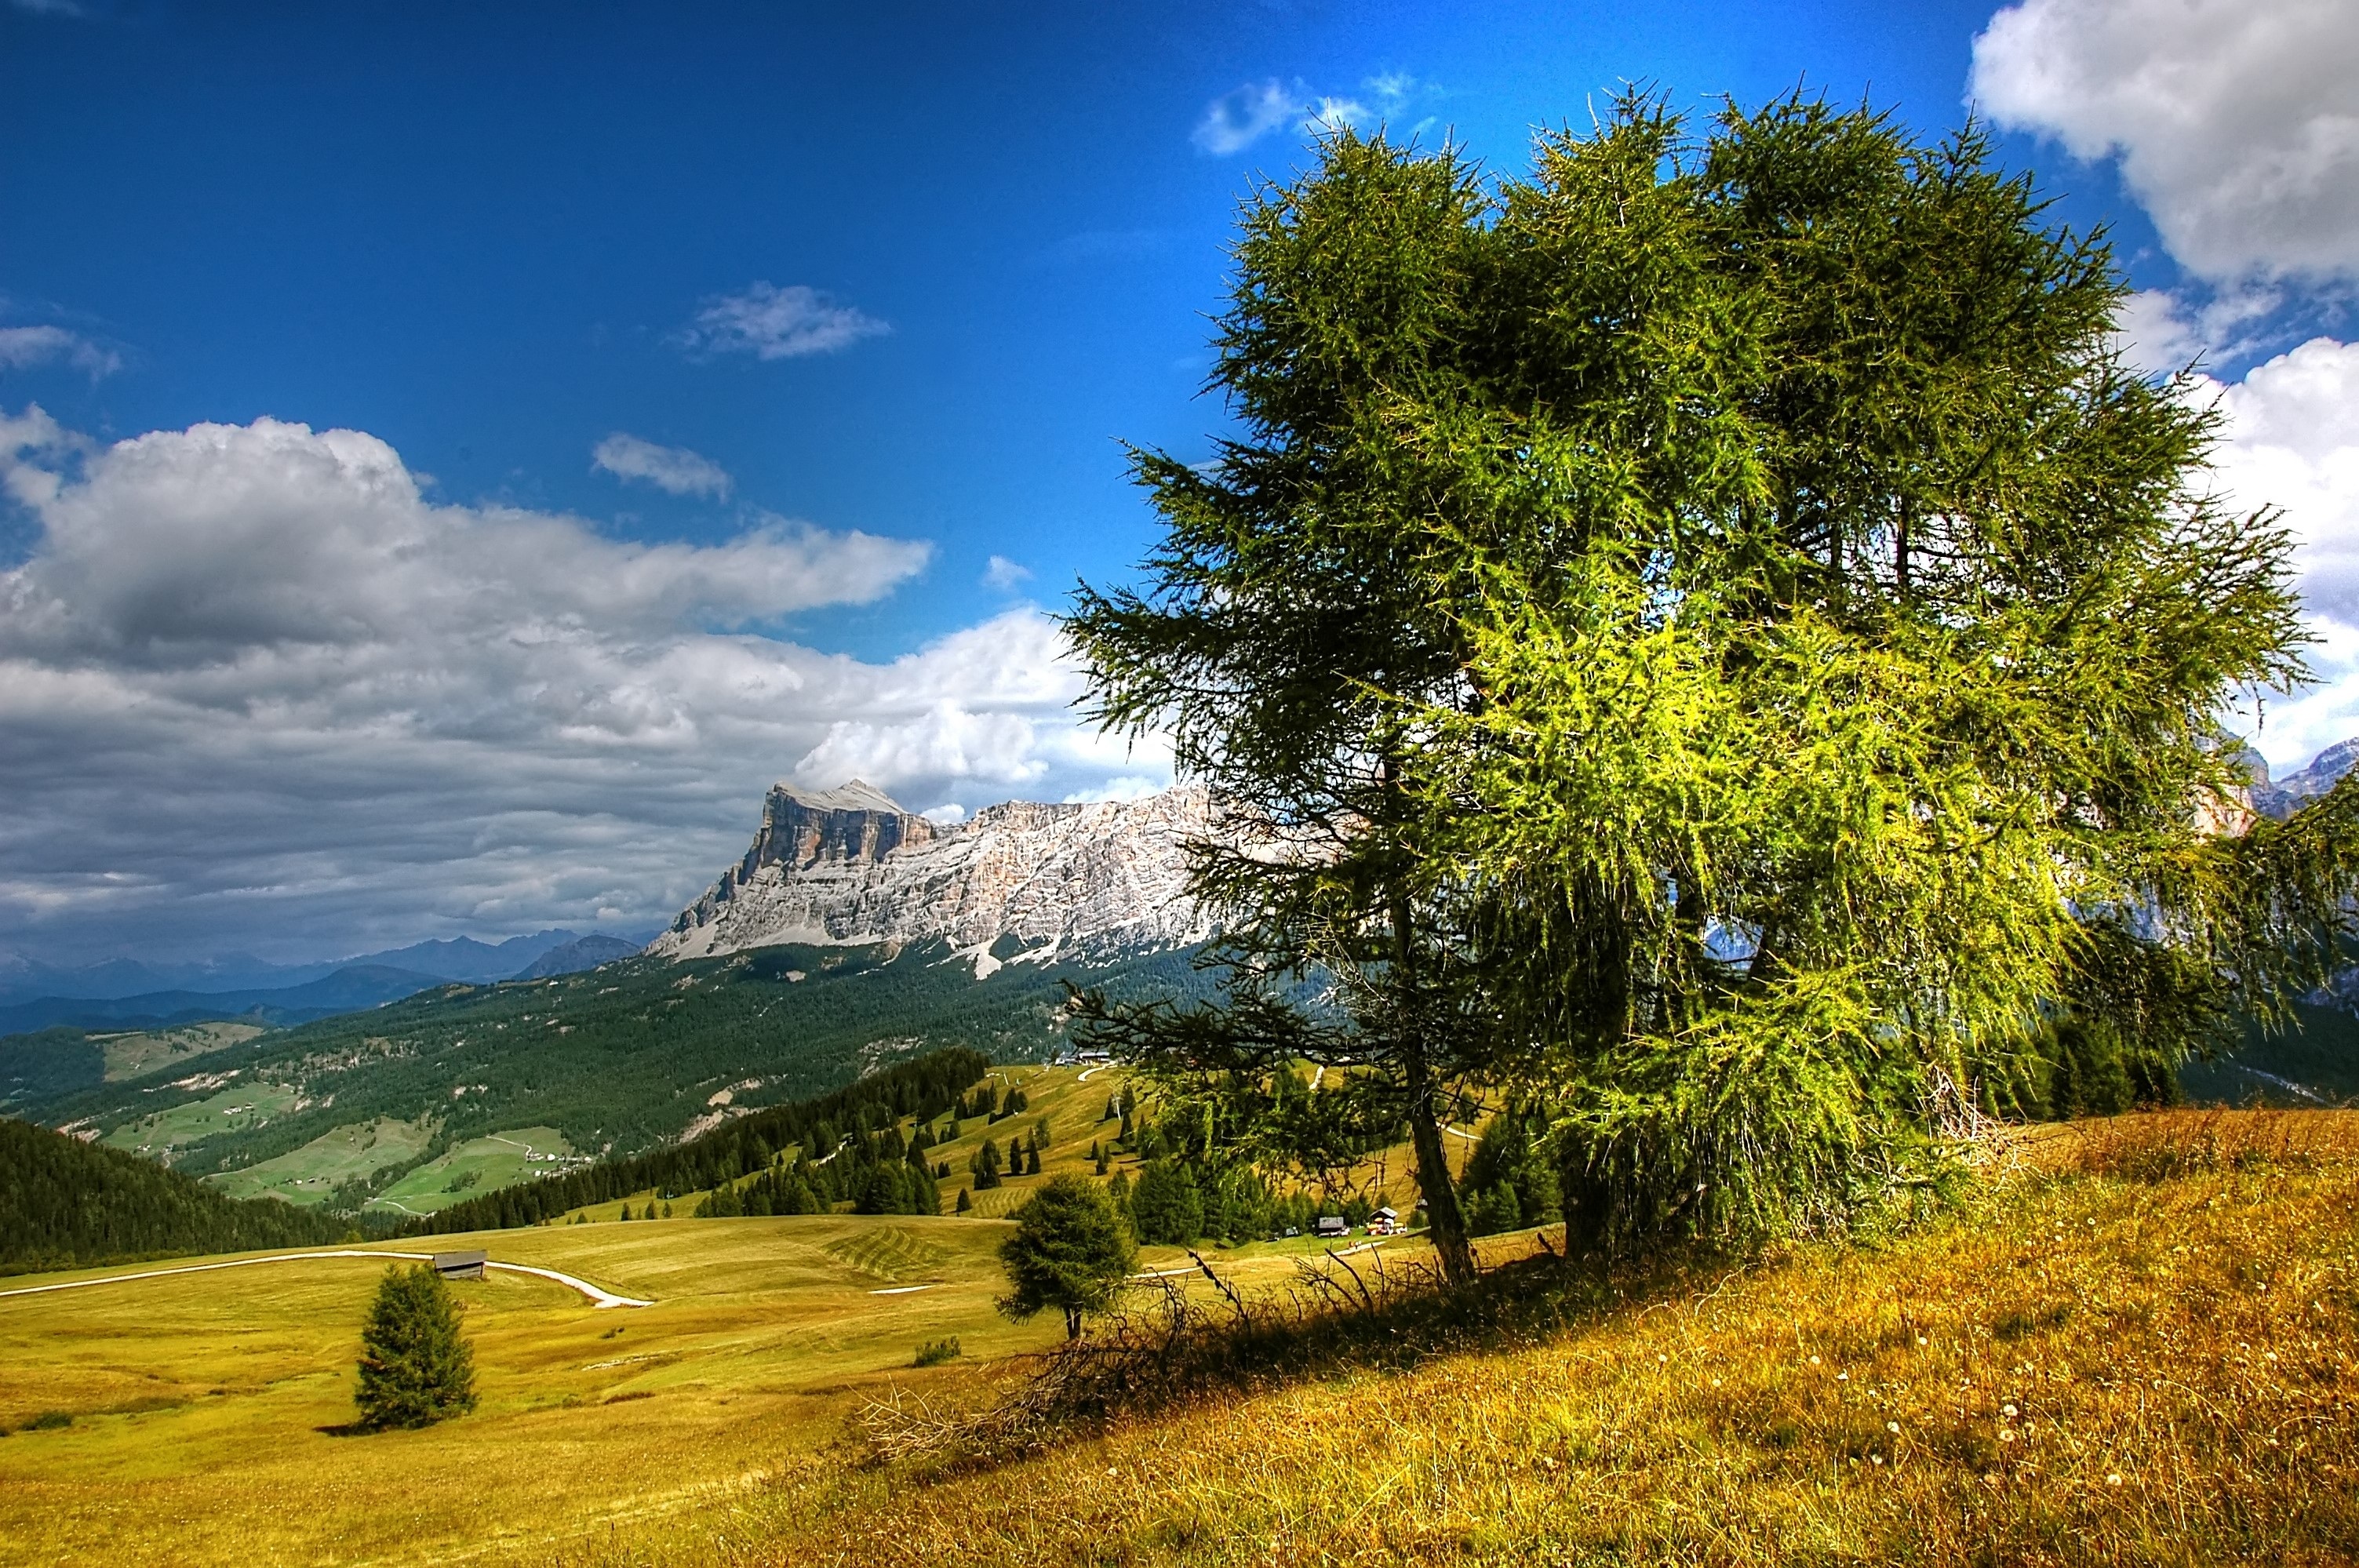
(818, 1128)
(65, 1204)
(618, 1060)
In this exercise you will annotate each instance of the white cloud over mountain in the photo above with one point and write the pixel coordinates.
(670, 468)
(2236, 124)
(255, 687)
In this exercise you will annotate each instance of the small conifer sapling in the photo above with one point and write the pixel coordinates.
(415, 1367)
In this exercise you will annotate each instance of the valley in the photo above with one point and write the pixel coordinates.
(606, 1062)
(203, 1408)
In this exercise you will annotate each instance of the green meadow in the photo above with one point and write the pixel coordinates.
(138, 1053)
(235, 1107)
(309, 1174)
(479, 1165)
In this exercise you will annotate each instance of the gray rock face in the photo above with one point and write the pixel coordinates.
(848, 865)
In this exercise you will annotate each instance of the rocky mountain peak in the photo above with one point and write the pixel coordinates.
(848, 865)
(2280, 798)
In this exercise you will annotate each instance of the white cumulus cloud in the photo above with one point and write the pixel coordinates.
(257, 691)
(770, 322)
(2236, 124)
(2236, 121)
(2290, 440)
(672, 468)
(1005, 575)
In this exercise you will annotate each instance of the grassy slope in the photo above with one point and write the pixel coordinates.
(198, 1400)
(1073, 1101)
(480, 1165)
(138, 1054)
(2197, 1337)
(2092, 1370)
(311, 1174)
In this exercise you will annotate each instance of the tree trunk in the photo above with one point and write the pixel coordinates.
(1446, 1225)
(1072, 1323)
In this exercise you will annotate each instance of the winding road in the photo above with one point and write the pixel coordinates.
(599, 1298)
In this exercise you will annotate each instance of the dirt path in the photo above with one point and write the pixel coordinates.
(598, 1297)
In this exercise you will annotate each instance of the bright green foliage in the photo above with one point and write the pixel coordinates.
(1712, 638)
(1071, 1250)
(415, 1367)
(1166, 1205)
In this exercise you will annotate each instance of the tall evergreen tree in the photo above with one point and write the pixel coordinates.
(1713, 636)
(1167, 1206)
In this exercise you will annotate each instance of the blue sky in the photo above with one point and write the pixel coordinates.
(858, 304)
(477, 231)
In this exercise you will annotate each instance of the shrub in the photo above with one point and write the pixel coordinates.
(934, 1352)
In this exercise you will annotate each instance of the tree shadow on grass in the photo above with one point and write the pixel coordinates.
(1180, 1346)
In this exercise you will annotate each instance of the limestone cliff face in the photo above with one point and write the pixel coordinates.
(845, 866)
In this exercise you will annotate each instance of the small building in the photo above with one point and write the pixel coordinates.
(1330, 1226)
(461, 1265)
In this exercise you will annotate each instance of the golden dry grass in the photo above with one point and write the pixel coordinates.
(199, 1403)
(2132, 1353)
(2170, 1301)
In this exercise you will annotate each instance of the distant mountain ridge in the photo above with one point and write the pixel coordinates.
(347, 990)
(2280, 798)
(583, 953)
(850, 866)
(457, 958)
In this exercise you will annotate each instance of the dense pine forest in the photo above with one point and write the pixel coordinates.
(68, 1204)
